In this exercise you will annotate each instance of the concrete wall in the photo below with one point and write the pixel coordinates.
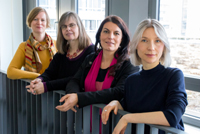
(131, 11)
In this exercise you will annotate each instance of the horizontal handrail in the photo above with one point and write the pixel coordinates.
(24, 113)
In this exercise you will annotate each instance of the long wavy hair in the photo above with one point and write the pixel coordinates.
(122, 52)
(83, 38)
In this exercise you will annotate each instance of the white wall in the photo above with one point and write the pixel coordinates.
(11, 32)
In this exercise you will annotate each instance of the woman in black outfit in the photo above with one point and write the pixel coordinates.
(101, 77)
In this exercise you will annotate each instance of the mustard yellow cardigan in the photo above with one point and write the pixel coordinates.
(14, 69)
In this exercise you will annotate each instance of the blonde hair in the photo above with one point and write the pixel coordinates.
(84, 39)
(33, 13)
(165, 59)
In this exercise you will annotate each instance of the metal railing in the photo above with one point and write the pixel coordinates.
(24, 113)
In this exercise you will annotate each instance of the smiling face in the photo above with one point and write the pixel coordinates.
(38, 25)
(110, 37)
(70, 30)
(150, 49)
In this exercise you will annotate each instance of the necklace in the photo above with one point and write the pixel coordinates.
(73, 55)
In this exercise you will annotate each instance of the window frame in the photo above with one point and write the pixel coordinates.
(192, 83)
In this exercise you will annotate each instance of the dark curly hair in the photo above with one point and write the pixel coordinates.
(122, 52)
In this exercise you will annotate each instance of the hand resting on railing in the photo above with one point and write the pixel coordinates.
(146, 118)
(36, 87)
(70, 101)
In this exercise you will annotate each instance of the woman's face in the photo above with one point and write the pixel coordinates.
(150, 48)
(38, 25)
(110, 37)
(70, 30)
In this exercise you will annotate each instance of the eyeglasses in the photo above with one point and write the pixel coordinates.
(72, 25)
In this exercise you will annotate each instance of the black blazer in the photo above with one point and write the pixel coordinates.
(115, 92)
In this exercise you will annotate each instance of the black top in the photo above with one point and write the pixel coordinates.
(115, 92)
(157, 89)
(61, 69)
(101, 75)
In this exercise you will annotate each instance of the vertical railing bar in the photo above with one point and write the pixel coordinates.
(86, 120)
(19, 112)
(61, 116)
(8, 107)
(28, 111)
(69, 122)
(38, 115)
(50, 112)
(23, 102)
(95, 120)
(33, 114)
(44, 113)
(56, 114)
(115, 121)
(106, 128)
(3, 107)
(63, 120)
(129, 129)
(139, 128)
(3, 102)
(5, 112)
(14, 112)
(78, 121)
(10, 118)
(153, 130)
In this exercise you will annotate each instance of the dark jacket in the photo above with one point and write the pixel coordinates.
(62, 69)
(116, 92)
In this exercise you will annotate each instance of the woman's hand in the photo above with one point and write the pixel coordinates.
(36, 86)
(156, 117)
(113, 105)
(121, 126)
(70, 101)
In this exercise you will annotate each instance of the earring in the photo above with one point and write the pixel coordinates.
(119, 47)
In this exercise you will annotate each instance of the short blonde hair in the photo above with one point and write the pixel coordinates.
(33, 13)
(83, 38)
(165, 59)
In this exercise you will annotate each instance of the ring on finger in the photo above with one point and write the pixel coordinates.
(105, 110)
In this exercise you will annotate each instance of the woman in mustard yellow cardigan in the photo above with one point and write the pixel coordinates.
(36, 53)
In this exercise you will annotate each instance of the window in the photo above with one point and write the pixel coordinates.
(93, 24)
(91, 12)
(50, 7)
(182, 26)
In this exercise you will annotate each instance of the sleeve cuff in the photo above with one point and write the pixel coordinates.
(45, 87)
(80, 100)
(41, 78)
